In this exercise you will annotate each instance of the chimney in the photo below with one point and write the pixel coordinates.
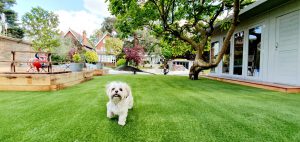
(84, 39)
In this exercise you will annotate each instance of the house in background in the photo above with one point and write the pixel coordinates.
(180, 64)
(152, 59)
(104, 57)
(265, 46)
(81, 41)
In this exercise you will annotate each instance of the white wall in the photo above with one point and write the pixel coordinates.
(268, 22)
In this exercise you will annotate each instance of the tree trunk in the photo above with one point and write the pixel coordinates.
(135, 40)
(199, 64)
(194, 73)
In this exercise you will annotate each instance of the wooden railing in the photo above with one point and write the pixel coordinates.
(13, 62)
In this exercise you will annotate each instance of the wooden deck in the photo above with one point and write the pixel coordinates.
(42, 81)
(263, 85)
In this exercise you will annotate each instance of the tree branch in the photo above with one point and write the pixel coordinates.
(204, 65)
(236, 10)
(179, 35)
(213, 19)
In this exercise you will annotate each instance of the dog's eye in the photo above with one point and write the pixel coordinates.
(113, 89)
(121, 89)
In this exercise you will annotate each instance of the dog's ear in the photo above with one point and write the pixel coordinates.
(128, 90)
(108, 87)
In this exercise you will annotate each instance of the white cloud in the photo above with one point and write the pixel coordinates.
(98, 7)
(78, 21)
(88, 19)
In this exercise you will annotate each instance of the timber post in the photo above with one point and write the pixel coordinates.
(12, 65)
(50, 63)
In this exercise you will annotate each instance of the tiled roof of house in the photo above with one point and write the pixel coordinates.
(79, 37)
(76, 35)
(104, 35)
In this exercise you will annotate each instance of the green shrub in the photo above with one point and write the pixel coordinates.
(76, 58)
(91, 56)
(121, 62)
(56, 59)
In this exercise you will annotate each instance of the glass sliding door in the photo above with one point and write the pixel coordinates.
(238, 53)
(226, 60)
(254, 49)
(214, 50)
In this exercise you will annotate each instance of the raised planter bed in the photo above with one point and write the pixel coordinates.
(42, 81)
(100, 72)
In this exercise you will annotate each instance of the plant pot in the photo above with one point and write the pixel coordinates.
(91, 66)
(76, 67)
(99, 66)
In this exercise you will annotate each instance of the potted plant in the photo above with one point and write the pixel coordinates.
(91, 58)
(99, 65)
(76, 66)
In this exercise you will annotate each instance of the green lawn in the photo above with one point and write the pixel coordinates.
(167, 108)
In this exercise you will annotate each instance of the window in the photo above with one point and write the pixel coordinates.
(226, 59)
(254, 51)
(214, 50)
(238, 53)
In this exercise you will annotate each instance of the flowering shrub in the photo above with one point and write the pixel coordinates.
(76, 58)
(91, 56)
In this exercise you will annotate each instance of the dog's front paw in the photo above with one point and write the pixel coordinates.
(110, 115)
(122, 123)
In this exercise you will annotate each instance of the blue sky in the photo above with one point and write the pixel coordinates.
(76, 14)
(53, 5)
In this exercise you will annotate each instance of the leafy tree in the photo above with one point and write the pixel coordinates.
(134, 54)
(15, 32)
(190, 21)
(113, 46)
(95, 37)
(6, 3)
(41, 26)
(149, 42)
(11, 18)
(108, 25)
(175, 48)
(66, 44)
(163, 46)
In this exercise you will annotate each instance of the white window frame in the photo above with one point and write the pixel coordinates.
(261, 66)
(243, 61)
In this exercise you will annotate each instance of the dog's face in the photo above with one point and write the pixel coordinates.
(116, 91)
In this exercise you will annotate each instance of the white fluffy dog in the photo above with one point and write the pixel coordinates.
(120, 100)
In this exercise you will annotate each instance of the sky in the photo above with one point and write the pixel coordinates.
(78, 15)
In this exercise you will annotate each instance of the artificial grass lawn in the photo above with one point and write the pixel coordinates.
(167, 108)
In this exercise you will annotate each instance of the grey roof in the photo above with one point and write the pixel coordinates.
(260, 6)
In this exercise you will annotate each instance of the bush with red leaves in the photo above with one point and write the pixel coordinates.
(134, 54)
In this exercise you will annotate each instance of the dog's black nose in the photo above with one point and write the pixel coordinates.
(116, 91)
